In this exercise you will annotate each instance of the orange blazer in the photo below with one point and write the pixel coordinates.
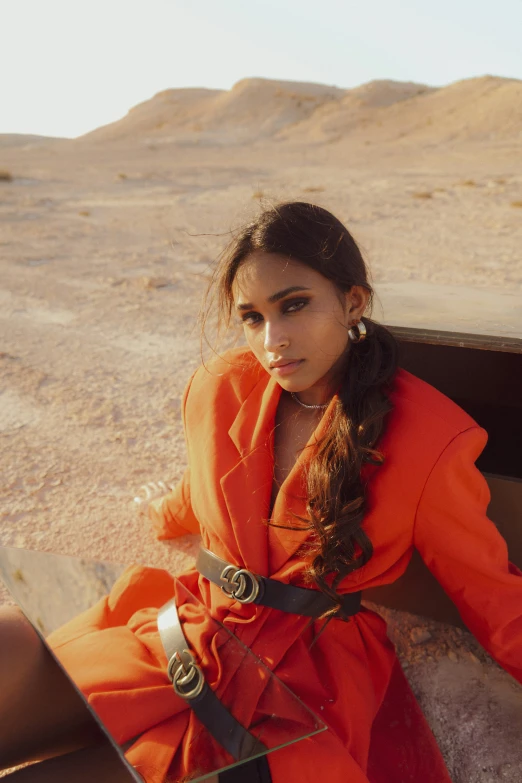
(428, 494)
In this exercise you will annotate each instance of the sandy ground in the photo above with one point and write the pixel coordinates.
(105, 247)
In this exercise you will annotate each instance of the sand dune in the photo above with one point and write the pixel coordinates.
(380, 111)
(253, 108)
(355, 111)
(385, 92)
(167, 111)
(483, 108)
(486, 108)
(26, 140)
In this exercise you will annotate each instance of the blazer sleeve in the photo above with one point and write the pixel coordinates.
(465, 552)
(172, 515)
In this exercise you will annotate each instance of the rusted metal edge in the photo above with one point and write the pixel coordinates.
(484, 342)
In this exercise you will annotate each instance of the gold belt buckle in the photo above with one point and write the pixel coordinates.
(186, 676)
(240, 584)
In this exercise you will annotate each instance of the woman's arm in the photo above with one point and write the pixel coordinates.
(467, 554)
(172, 515)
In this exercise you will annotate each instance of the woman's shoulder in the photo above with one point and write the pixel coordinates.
(420, 427)
(419, 403)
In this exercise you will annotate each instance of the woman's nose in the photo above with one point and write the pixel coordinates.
(275, 337)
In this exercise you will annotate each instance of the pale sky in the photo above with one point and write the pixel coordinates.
(68, 67)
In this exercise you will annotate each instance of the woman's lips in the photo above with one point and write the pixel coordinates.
(287, 369)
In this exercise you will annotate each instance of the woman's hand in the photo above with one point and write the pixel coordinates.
(149, 492)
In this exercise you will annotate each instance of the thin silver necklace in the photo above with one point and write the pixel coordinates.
(296, 398)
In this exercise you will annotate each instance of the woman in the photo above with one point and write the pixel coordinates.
(316, 463)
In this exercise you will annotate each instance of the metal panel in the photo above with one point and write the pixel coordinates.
(483, 374)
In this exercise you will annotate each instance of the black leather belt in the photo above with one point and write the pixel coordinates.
(244, 586)
(189, 682)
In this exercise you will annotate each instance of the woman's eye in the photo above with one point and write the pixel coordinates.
(250, 318)
(300, 304)
(289, 307)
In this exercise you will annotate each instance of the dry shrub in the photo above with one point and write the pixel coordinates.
(314, 189)
(470, 183)
(423, 194)
(259, 194)
(84, 213)
(5, 176)
(516, 203)
(500, 180)
(122, 176)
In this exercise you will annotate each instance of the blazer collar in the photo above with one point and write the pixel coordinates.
(252, 434)
(256, 416)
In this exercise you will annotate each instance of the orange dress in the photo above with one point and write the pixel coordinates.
(428, 495)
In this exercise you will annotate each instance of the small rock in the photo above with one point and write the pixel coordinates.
(419, 635)
(150, 283)
(38, 261)
(453, 656)
(472, 657)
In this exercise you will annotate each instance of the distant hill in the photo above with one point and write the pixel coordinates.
(24, 139)
(354, 110)
(166, 112)
(253, 108)
(484, 108)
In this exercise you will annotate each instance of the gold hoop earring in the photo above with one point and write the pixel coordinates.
(361, 332)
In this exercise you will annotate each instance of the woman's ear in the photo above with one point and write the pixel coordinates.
(356, 302)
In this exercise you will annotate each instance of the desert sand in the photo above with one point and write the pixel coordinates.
(107, 242)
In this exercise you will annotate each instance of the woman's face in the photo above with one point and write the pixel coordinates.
(308, 326)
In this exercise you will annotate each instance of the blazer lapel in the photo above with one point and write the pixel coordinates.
(247, 487)
(292, 497)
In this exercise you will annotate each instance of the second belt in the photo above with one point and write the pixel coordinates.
(246, 587)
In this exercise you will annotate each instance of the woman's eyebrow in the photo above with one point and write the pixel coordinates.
(274, 297)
